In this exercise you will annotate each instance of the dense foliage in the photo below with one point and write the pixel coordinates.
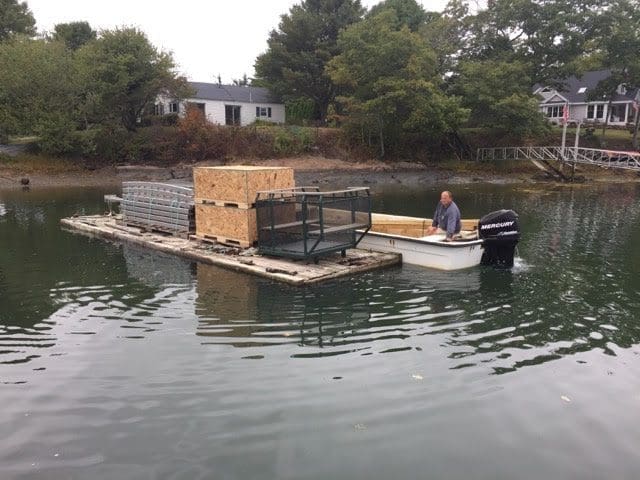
(391, 88)
(307, 38)
(72, 88)
(397, 79)
(15, 19)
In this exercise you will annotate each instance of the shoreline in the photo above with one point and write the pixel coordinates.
(310, 171)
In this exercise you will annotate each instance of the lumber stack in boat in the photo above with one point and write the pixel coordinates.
(409, 226)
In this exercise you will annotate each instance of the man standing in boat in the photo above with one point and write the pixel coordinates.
(447, 218)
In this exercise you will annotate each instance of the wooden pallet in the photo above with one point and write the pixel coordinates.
(224, 203)
(159, 229)
(232, 242)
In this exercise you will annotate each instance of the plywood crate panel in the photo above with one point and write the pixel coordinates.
(226, 222)
(239, 184)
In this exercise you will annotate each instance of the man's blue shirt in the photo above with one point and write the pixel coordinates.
(448, 218)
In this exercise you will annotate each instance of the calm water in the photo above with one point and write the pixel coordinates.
(119, 363)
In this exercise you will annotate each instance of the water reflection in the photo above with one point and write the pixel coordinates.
(573, 290)
(156, 269)
(561, 298)
(337, 318)
(113, 359)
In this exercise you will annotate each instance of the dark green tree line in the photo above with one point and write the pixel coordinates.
(391, 87)
(294, 65)
(60, 85)
(15, 19)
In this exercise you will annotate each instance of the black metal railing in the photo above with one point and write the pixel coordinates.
(306, 223)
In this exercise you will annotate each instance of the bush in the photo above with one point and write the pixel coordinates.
(58, 137)
(197, 139)
(299, 111)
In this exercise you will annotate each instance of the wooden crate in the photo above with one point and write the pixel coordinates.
(227, 223)
(239, 184)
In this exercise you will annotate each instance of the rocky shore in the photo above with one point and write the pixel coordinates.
(313, 171)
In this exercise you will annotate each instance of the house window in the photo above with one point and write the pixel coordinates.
(595, 111)
(554, 112)
(263, 112)
(158, 109)
(232, 114)
(199, 106)
(174, 107)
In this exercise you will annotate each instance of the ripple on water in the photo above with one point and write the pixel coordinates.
(141, 361)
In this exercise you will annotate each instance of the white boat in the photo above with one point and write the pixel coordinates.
(407, 235)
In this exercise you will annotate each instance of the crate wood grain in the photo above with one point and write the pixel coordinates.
(226, 222)
(239, 184)
(214, 239)
(222, 203)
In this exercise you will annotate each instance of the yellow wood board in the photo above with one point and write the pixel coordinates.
(228, 222)
(239, 184)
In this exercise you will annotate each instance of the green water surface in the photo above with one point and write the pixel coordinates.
(121, 363)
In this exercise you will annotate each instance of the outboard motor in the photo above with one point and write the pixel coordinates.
(500, 231)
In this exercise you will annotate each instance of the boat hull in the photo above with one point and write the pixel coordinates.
(426, 253)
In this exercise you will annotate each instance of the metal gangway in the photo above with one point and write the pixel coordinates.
(571, 155)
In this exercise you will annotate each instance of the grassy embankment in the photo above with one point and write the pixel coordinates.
(256, 143)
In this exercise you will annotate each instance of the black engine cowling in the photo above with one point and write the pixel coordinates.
(500, 231)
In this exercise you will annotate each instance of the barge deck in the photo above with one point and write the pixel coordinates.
(283, 270)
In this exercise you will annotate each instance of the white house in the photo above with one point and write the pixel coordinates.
(583, 108)
(228, 104)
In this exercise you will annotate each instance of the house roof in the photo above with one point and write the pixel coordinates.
(577, 89)
(232, 93)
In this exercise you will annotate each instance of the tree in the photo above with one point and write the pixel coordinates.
(618, 48)
(390, 81)
(74, 34)
(306, 40)
(445, 34)
(38, 91)
(546, 35)
(121, 74)
(15, 18)
(499, 96)
(408, 12)
(241, 82)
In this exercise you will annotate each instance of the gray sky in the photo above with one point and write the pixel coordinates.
(206, 37)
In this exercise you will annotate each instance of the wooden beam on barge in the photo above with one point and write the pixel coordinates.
(283, 270)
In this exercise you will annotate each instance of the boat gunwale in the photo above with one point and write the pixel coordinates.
(454, 244)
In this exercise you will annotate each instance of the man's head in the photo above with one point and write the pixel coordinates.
(446, 198)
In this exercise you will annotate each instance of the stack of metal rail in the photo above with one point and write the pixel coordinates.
(304, 223)
(161, 207)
